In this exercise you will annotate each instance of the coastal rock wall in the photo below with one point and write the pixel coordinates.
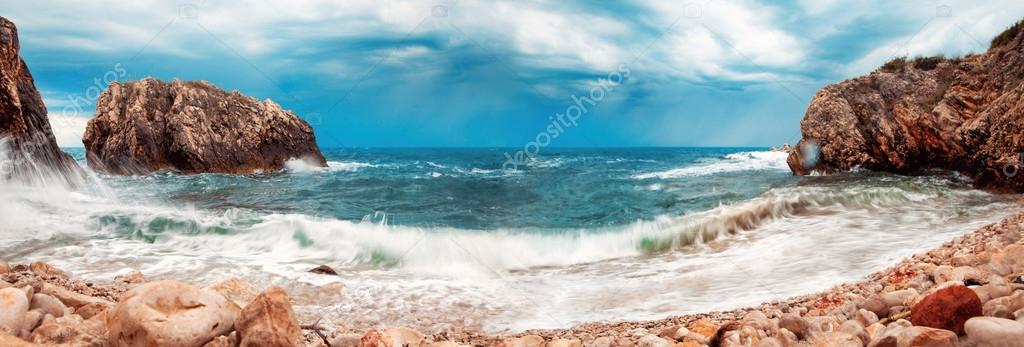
(192, 127)
(29, 147)
(910, 115)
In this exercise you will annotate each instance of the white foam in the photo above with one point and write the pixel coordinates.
(743, 161)
(307, 165)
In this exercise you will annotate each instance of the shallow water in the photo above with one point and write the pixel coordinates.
(435, 238)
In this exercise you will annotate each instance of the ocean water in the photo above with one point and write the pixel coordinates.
(443, 239)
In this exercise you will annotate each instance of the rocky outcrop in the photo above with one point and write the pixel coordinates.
(192, 127)
(28, 149)
(964, 114)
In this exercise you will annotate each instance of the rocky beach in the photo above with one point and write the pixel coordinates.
(941, 125)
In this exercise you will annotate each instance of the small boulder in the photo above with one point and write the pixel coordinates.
(269, 321)
(238, 290)
(70, 331)
(995, 332)
(947, 309)
(324, 270)
(705, 327)
(88, 311)
(71, 299)
(899, 297)
(795, 324)
(837, 339)
(169, 313)
(42, 269)
(13, 307)
(133, 277)
(48, 304)
(653, 341)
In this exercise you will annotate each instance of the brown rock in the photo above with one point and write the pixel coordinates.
(525, 341)
(238, 290)
(11, 341)
(71, 299)
(375, 338)
(961, 114)
(705, 327)
(193, 127)
(796, 325)
(4, 267)
(224, 341)
(169, 313)
(48, 304)
(134, 277)
(324, 270)
(24, 122)
(269, 321)
(995, 332)
(46, 270)
(947, 309)
(13, 307)
(88, 311)
(70, 331)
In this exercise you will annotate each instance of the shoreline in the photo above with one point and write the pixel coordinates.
(989, 261)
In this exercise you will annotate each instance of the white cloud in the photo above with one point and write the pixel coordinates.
(68, 129)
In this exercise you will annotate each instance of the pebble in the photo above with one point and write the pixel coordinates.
(995, 332)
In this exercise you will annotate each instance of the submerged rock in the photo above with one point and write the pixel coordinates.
(962, 114)
(27, 144)
(193, 127)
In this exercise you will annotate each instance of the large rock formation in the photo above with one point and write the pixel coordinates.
(962, 114)
(28, 150)
(192, 127)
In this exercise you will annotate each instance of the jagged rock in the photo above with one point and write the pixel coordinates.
(24, 126)
(192, 127)
(324, 270)
(947, 309)
(962, 114)
(269, 321)
(169, 313)
(13, 307)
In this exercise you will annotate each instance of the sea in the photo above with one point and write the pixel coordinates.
(447, 239)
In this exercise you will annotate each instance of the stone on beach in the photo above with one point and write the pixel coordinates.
(169, 313)
(70, 298)
(947, 309)
(269, 321)
(48, 304)
(13, 308)
(133, 277)
(525, 341)
(995, 332)
(238, 290)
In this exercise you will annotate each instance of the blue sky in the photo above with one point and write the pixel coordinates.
(476, 73)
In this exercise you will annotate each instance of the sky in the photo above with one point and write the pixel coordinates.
(497, 73)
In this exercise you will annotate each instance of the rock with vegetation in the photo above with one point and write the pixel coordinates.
(193, 127)
(910, 115)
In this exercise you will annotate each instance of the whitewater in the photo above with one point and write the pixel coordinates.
(435, 238)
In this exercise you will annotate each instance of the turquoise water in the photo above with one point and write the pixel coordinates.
(436, 238)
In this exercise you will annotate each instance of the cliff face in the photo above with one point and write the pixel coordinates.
(963, 114)
(192, 127)
(30, 150)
